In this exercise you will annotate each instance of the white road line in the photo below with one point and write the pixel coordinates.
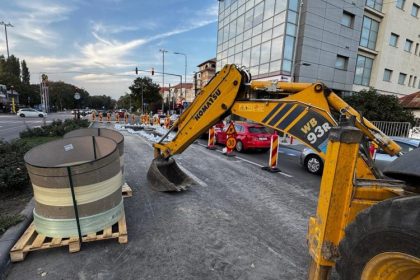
(195, 178)
(285, 174)
(250, 162)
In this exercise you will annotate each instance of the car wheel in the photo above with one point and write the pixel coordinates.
(41, 115)
(314, 164)
(239, 146)
(22, 115)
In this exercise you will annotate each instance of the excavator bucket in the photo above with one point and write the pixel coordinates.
(164, 175)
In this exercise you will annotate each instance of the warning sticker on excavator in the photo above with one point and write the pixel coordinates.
(231, 142)
(231, 129)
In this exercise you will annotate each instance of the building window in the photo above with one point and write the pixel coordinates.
(369, 33)
(347, 19)
(408, 45)
(393, 40)
(400, 4)
(409, 80)
(415, 10)
(363, 70)
(375, 4)
(417, 48)
(415, 81)
(387, 75)
(401, 78)
(341, 62)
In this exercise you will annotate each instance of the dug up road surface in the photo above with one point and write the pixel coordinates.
(240, 223)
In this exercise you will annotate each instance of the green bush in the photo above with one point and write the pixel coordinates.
(13, 175)
(56, 128)
(7, 221)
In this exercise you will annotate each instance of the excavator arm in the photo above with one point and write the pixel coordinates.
(303, 110)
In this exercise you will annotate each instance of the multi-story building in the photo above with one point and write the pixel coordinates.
(206, 71)
(340, 42)
(389, 52)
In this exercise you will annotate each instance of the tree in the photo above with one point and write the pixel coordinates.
(124, 101)
(379, 107)
(26, 77)
(150, 92)
(13, 66)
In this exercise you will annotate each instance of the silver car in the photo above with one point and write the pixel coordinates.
(314, 164)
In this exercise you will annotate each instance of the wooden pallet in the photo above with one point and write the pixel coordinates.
(127, 191)
(33, 241)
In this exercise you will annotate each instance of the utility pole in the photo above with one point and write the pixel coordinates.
(5, 32)
(163, 51)
(185, 74)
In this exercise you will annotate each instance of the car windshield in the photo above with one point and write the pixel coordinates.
(257, 129)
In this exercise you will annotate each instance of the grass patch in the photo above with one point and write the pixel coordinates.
(7, 221)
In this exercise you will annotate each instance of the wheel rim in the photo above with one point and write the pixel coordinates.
(313, 165)
(392, 265)
(239, 146)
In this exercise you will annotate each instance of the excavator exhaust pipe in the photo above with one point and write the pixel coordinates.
(165, 175)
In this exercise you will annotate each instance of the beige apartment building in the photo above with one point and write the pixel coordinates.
(389, 53)
(206, 71)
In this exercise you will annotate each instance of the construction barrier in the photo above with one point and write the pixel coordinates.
(93, 116)
(133, 119)
(274, 154)
(117, 118)
(108, 117)
(211, 142)
(167, 123)
(100, 117)
(126, 118)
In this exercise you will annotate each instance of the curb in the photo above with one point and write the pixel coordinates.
(10, 237)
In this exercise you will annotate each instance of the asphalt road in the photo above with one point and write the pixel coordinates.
(11, 125)
(239, 222)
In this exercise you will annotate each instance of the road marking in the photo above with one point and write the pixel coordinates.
(250, 162)
(195, 178)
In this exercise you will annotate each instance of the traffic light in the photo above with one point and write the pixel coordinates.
(153, 71)
(137, 71)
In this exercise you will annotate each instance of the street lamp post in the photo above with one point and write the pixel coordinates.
(185, 74)
(163, 51)
(5, 31)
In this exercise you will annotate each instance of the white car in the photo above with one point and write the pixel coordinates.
(29, 112)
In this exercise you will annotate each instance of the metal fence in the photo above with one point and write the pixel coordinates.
(394, 128)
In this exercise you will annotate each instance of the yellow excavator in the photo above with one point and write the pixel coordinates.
(366, 225)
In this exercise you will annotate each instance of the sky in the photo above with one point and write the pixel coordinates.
(96, 44)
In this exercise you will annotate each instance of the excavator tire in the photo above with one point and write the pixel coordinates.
(383, 242)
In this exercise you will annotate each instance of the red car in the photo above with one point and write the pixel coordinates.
(249, 136)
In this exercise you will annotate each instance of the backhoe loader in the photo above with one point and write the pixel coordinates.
(366, 225)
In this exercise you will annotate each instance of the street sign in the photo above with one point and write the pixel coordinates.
(231, 129)
(231, 142)
(77, 96)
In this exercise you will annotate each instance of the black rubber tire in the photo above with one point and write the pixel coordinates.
(41, 115)
(321, 164)
(241, 146)
(22, 115)
(389, 226)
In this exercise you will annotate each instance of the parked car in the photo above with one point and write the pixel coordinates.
(314, 164)
(121, 113)
(249, 136)
(382, 159)
(29, 112)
